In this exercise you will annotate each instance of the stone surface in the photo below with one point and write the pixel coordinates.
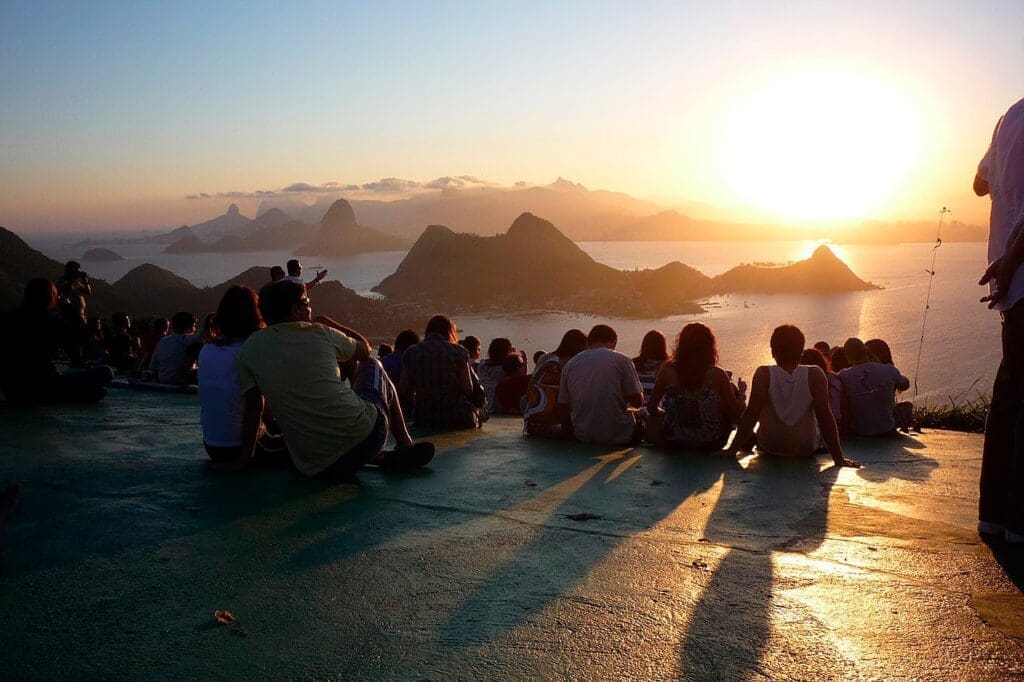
(125, 545)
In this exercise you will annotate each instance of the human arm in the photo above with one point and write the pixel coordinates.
(902, 383)
(727, 396)
(362, 350)
(632, 389)
(1000, 271)
(661, 383)
(826, 420)
(981, 187)
(316, 280)
(464, 378)
(758, 399)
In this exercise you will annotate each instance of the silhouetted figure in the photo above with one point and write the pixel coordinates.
(870, 388)
(174, 360)
(295, 275)
(902, 410)
(123, 347)
(541, 415)
(836, 397)
(276, 274)
(597, 390)
(694, 404)
(156, 330)
(393, 362)
(789, 403)
(32, 334)
(332, 427)
(653, 354)
(473, 345)
(502, 361)
(436, 374)
(1001, 174)
(74, 286)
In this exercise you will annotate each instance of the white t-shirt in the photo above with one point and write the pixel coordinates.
(1003, 168)
(173, 358)
(595, 384)
(294, 278)
(221, 402)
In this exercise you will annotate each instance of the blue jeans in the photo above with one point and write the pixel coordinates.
(371, 383)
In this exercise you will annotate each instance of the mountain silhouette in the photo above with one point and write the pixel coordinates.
(99, 255)
(231, 221)
(341, 235)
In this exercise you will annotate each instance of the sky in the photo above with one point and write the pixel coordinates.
(112, 114)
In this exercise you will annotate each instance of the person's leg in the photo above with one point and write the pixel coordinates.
(364, 453)
(372, 384)
(1014, 355)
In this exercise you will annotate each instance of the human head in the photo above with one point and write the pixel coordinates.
(813, 356)
(880, 350)
(602, 336)
(238, 314)
(284, 301)
(838, 359)
(384, 350)
(696, 352)
(654, 346)
(823, 348)
(160, 326)
(95, 326)
(294, 267)
(512, 365)
(276, 273)
(72, 268)
(439, 324)
(405, 339)
(498, 350)
(121, 322)
(40, 295)
(787, 344)
(856, 351)
(573, 342)
(472, 344)
(537, 355)
(183, 323)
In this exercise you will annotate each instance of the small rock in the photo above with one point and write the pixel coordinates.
(531, 483)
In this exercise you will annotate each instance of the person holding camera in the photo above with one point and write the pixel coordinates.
(74, 286)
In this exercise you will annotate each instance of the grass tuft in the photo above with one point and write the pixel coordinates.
(960, 413)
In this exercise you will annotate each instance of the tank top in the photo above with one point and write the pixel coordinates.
(693, 417)
(787, 422)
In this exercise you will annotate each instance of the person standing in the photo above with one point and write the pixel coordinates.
(1001, 175)
(74, 286)
(295, 275)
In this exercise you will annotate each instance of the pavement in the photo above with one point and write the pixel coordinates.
(505, 559)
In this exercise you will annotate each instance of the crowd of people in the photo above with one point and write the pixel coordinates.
(279, 385)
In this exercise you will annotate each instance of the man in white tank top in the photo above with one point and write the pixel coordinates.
(790, 402)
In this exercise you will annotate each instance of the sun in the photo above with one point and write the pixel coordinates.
(821, 144)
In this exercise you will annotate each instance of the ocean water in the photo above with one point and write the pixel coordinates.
(961, 339)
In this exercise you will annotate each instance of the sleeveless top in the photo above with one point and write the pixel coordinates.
(693, 417)
(648, 373)
(539, 411)
(787, 422)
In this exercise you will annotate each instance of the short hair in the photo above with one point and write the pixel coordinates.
(238, 314)
(880, 350)
(40, 294)
(838, 359)
(856, 351)
(276, 273)
(601, 333)
(406, 338)
(499, 349)
(293, 266)
(470, 343)
(813, 356)
(787, 344)
(823, 348)
(71, 266)
(512, 365)
(182, 321)
(384, 350)
(277, 298)
(439, 324)
(537, 355)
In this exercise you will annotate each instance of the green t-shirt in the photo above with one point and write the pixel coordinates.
(295, 365)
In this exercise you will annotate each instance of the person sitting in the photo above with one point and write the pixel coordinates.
(32, 335)
(221, 401)
(597, 389)
(511, 390)
(653, 354)
(790, 403)
(123, 347)
(156, 330)
(332, 428)
(95, 342)
(904, 409)
(537, 355)
(540, 407)
(694, 404)
(825, 350)
(836, 398)
(837, 361)
(472, 344)
(437, 378)
(393, 362)
(501, 362)
(295, 274)
(74, 287)
(174, 358)
(276, 273)
(870, 389)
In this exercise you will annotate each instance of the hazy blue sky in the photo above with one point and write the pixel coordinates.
(113, 112)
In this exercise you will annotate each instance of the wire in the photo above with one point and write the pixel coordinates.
(928, 296)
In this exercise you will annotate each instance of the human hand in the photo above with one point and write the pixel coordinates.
(997, 274)
(320, 275)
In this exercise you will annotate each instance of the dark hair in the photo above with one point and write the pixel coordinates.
(512, 365)
(696, 352)
(787, 344)
(40, 294)
(573, 342)
(653, 347)
(880, 350)
(498, 350)
(856, 351)
(71, 266)
(470, 343)
(182, 321)
(161, 324)
(405, 339)
(384, 350)
(120, 320)
(276, 273)
(601, 333)
(293, 266)
(813, 356)
(823, 348)
(537, 355)
(277, 298)
(439, 324)
(238, 314)
(838, 359)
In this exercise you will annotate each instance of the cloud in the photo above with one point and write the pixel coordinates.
(325, 188)
(460, 181)
(390, 186)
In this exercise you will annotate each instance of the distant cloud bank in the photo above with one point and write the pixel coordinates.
(385, 186)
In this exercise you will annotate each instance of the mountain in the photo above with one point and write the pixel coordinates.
(151, 290)
(341, 235)
(280, 237)
(272, 218)
(666, 226)
(822, 273)
(187, 244)
(100, 255)
(230, 222)
(273, 231)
